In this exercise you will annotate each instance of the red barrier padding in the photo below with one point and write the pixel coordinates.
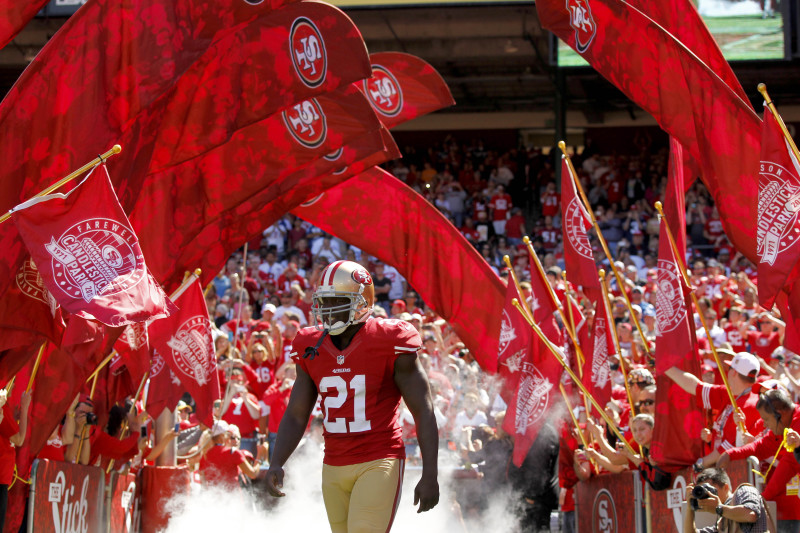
(608, 503)
(123, 505)
(160, 484)
(66, 497)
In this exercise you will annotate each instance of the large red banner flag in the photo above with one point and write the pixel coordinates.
(676, 434)
(778, 208)
(596, 369)
(214, 244)
(575, 224)
(398, 226)
(184, 341)
(543, 304)
(688, 99)
(531, 375)
(403, 87)
(15, 15)
(88, 255)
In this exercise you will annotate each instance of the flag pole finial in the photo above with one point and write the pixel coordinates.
(660, 208)
(563, 146)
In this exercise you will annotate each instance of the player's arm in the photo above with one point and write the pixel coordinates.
(293, 425)
(684, 380)
(413, 385)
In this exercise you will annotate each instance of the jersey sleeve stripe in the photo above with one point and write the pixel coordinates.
(706, 396)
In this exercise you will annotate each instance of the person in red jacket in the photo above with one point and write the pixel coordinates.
(779, 414)
(221, 463)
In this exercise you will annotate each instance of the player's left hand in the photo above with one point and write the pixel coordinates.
(426, 494)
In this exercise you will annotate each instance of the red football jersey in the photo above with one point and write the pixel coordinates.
(238, 414)
(220, 465)
(716, 397)
(360, 400)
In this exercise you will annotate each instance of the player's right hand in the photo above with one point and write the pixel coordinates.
(275, 481)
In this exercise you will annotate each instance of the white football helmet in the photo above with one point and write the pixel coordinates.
(343, 279)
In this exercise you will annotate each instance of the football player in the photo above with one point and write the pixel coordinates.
(361, 366)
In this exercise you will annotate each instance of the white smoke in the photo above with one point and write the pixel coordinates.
(302, 509)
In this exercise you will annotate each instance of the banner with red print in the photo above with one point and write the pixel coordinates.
(15, 15)
(184, 341)
(88, 255)
(403, 87)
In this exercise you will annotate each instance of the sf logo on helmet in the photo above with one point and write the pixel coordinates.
(362, 277)
(306, 122)
(384, 92)
(308, 52)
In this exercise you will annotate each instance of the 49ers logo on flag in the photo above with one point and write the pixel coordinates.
(670, 302)
(192, 349)
(307, 123)
(308, 52)
(582, 21)
(384, 91)
(575, 222)
(94, 257)
(778, 207)
(532, 397)
(156, 364)
(600, 368)
(507, 333)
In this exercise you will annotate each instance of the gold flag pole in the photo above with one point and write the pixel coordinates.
(572, 375)
(562, 145)
(102, 364)
(241, 297)
(571, 318)
(762, 88)
(36, 366)
(613, 327)
(63, 181)
(685, 276)
(575, 421)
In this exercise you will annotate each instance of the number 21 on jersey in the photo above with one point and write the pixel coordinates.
(358, 387)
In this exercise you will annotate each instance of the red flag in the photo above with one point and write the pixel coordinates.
(130, 363)
(403, 87)
(214, 244)
(398, 226)
(596, 370)
(676, 439)
(15, 16)
(531, 375)
(260, 157)
(184, 341)
(88, 255)
(542, 304)
(687, 99)
(28, 310)
(575, 223)
(778, 205)
(164, 390)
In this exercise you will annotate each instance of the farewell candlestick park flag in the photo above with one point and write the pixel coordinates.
(578, 255)
(130, 363)
(88, 255)
(778, 208)
(403, 87)
(164, 389)
(184, 341)
(596, 370)
(530, 376)
(676, 439)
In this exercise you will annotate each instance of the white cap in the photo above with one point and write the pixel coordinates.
(269, 307)
(746, 364)
(220, 427)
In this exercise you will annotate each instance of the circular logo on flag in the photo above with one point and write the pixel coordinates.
(30, 283)
(135, 335)
(192, 349)
(533, 395)
(308, 52)
(96, 257)
(384, 91)
(778, 208)
(604, 514)
(156, 365)
(507, 333)
(307, 123)
(670, 303)
(575, 228)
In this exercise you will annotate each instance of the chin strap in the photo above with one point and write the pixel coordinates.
(313, 351)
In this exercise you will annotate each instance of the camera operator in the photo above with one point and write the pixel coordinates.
(711, 493)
